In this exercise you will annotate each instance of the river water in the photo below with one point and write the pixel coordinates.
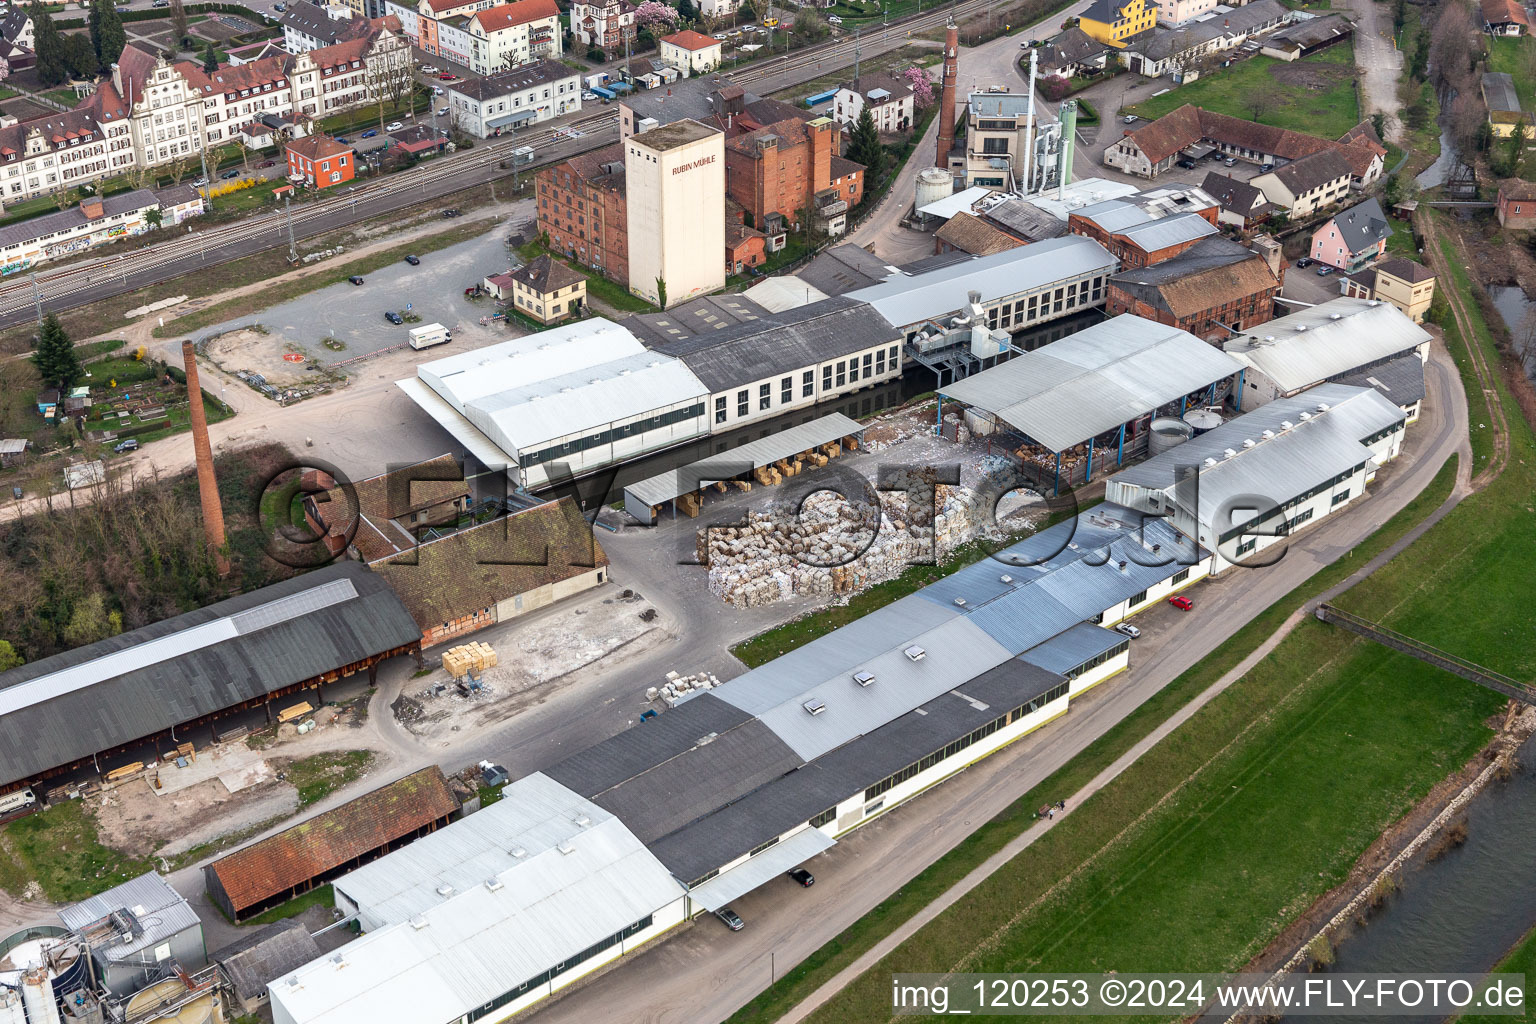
(1516, 312)
(1464, 911)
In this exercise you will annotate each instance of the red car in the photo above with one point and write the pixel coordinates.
(446, 77)
(1183, 604)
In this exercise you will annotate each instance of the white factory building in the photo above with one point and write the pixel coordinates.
(1019, 287)
(587, 394)
(1266, 474)
(671, 173)
(1331, 340)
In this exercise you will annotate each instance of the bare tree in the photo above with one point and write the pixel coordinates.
(1454, 47)
(1260, 103)
(388, 82)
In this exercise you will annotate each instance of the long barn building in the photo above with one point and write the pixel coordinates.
(170, 682)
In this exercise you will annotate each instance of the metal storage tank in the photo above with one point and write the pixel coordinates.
(1168, 432)
(199, 1009)
(933, 184)
(1202, 420)
(10, 1007)
(37, 997)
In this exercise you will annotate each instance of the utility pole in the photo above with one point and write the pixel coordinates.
(293, 247)
(37, 301)
(855, 54)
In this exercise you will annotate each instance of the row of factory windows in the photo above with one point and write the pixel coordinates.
(1099, 659)
(844, 372)
(890, 781)
(560, 968)
(1047, 303)
(1326, 485)
(612, 434)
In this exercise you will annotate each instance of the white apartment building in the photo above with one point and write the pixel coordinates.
(887, 97)
(675, 191)
(605, 24)
(61, 151)
(487, 107)
(509, 36)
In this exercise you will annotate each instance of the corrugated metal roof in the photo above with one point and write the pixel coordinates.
(182, 668)
(772, 862)
(1167, 231)
(665, 486)
(1095, 380)
(779, 293)
(1399, 380)
(506, 919)
(1077, 646)
(263, 955)
(1499, 91)
(1311, 346)
(957, 650)
(957, 202)
(1319, 445)
(160, 911)
(905, 301)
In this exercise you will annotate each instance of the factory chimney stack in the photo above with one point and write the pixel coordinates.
(947, 95)
(207, 485)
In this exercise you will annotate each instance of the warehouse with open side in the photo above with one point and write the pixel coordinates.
(1092, 395)
(788, 449)
(137, 689)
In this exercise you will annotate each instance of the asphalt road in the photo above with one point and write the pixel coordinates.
(703, 973)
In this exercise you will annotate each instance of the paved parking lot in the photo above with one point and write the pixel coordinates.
(354, 314)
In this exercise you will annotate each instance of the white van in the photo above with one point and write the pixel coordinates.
(13, 805)
(428, 335)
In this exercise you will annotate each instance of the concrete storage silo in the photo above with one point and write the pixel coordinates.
(933, 184)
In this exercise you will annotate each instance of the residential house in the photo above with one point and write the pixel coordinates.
(887, 98)
(507, 36)
(1072, 53)
(1174, 13)
(1306, 185)
(311, 26)
(1407, 285)
(1242, 205)
(1352, 238)
(321, 161)
(1151, 149)
(179, 202)
(603, 24)
(719, 9)
(437, 26)
(1516, 205)
(1214, 289)
(690, 52)
(1112, 22)
(547, 290)
(16, 28)
(508, 100)
(1504, 18)
(744, 247)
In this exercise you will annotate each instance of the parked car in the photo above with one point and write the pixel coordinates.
(802, 876)
(1230, 161)
(1130, 119)
(451, 212)
(130, 445)
(588, 97)
(393, 126)
(343, 140)
(833, 19)
(732, 920)
(1127, 629)
(200, 183)
(1324, 270)
(227, 175)
(370, 133)
(437, 90)
(1304, 262)
(279, 8)
(356, 279)
(443, 112)
(445, 77)
(267, 163)
(1266, 168)
(1181, 602)
(394, 318)
(1187, 164)
(414, 261)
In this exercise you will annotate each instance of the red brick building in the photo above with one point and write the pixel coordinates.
(1517, 204)
(582, 209)
(1138, 239)
(1215, 286)
(320, 160)
(789, 166)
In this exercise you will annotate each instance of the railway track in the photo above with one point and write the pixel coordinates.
(77, 284)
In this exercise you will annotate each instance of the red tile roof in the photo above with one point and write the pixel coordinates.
(520, 13)
(1189, 124)
(688, 39)
(317, 147)
(1504, 12)
(333, 838)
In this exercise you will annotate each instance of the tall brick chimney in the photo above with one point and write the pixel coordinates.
(207, 486)
(947, 95)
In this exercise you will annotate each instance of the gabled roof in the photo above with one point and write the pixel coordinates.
(312, 20)
(1237, 196)
(1189, 124)
(334, 838)
(1517, 190)
(688, 39)
(1212, 273)
(317, 147)
(1504, 12)
(1070, 47)
(261, 956)
(1326, 340)
(1362, 226)
(969, 233)
(522, 12)
(1107, 11)
(134, 66)
(14, 24)
(514, 80)
(452, 576)
(894, 88)
(1405, 269)
(1311, 172)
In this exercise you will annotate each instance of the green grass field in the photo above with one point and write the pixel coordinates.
(1521, 960)
(59, 849)
(319, 775)
(1507, 54)
(1314, 95)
